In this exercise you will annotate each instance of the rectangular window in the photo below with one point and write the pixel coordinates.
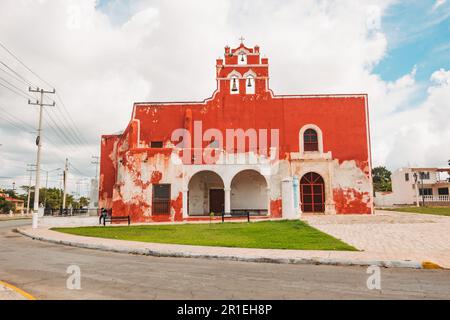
(161, 199)
(443, 191)
(424, 175)
(406, 176)
(157, 144)
(426, 191)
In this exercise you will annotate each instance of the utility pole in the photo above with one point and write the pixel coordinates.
(41, 105)
(30, 170)
(93, 197)
(46, 184)
(96, 162)
(60, 191)
(65, 174)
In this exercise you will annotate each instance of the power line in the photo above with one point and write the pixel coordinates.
(23, 123)
(70, 119)
(23, 126)
(24, 65)
(67, 132)
(14, 91)
(77, 170)
(61, 134)
(17, 88)
(75, 131)
(15, 75)
(13, 123)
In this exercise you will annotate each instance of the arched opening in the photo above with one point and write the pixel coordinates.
(310, 140)
(250, 85)
(206, 194)
(249, 193)
(242, 58)
(312, 193)
(234, 85)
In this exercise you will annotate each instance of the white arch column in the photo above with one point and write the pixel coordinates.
(227, 191)
(287, 199)
(185, 203)
(269, 200)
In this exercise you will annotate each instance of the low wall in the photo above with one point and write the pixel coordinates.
(436, 203)
(68, 221)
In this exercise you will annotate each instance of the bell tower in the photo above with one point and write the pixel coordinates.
(242, 71)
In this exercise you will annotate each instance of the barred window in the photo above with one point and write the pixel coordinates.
(310, 140)
(161, 199)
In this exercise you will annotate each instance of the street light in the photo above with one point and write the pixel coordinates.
(417, 188)
(423, 193)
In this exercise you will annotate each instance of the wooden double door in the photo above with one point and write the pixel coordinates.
(312, 192)
(216, 200)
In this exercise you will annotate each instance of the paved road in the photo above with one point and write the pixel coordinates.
(40, 269)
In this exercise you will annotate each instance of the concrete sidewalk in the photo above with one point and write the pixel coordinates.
(237, 254)
(390, 234)
(5, 217)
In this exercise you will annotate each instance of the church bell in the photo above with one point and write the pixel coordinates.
(234, 89)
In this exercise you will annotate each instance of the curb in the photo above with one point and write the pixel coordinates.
(257, 259)
(17, 290)
(431, 265)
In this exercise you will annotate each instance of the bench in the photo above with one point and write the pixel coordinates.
(236, 214)
(111, 219)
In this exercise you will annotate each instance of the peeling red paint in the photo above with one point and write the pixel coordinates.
(276, 208)
(156, 177)
(107, 170)
(177, 206)
(351, 201)
(131, 209)
(161, 218)
(341, 118)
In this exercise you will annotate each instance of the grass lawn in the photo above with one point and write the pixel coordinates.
(440, 211)
(267, 235)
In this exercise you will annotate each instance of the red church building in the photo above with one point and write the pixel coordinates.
(243, 149)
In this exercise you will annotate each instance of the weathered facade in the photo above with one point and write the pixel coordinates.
(183, 160)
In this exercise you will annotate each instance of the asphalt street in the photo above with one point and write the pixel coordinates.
(41, 269)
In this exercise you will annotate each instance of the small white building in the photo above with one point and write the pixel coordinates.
(413, 186)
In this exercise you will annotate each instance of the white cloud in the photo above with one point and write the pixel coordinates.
(166, 50)
(438, 4)
(441, 77)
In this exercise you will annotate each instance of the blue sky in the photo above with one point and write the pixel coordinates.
(418, 33)
(314, 46)
(417, 36)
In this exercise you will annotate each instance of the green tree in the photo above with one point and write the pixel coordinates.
(381, 179)
(52, 198)
(11, 193)
(6, 206)
(84, 202)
